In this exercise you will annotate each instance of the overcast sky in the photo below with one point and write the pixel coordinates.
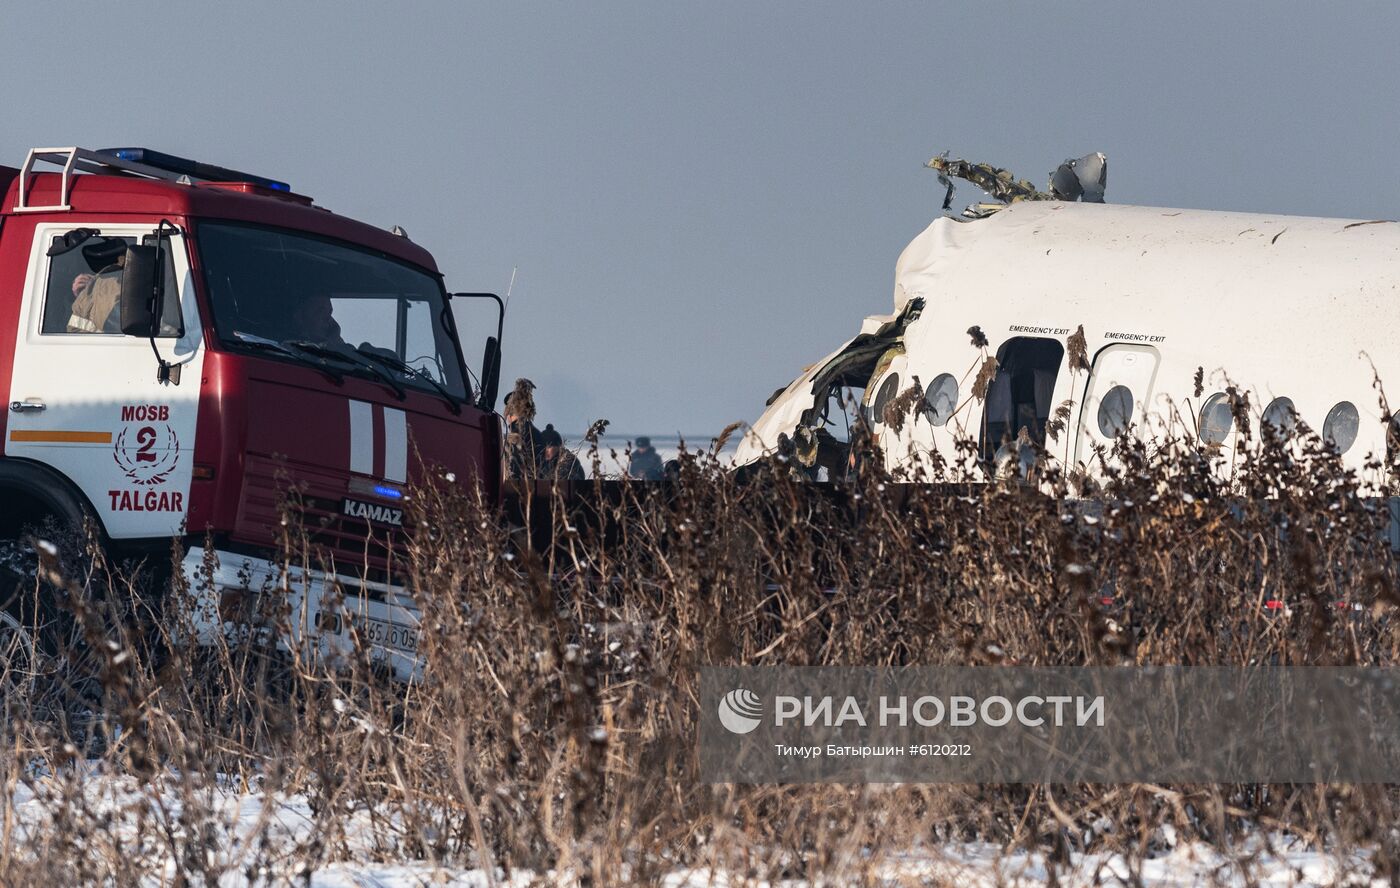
(702, 198)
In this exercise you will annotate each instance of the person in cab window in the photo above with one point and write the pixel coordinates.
(97, 295)
(314, 321)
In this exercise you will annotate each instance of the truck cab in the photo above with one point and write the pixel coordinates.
(292, 359)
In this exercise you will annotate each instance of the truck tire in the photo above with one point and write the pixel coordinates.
(19, 659)
(39, 661)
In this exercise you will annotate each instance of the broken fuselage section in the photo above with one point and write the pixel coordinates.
(813, 419)
(1059, 327)
(863, 388)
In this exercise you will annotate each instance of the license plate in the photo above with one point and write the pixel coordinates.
(386, 634)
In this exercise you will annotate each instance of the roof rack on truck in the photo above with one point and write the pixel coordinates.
(126, 161)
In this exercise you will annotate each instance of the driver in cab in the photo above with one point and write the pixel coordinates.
(96, 296)
(314, 321)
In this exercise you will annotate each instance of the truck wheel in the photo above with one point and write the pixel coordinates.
(37, 504)
(25, 602)
(46, 667)
(18, 658)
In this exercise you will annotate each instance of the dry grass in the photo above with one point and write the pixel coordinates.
(555, 730)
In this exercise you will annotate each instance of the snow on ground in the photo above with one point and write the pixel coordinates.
(241, 816)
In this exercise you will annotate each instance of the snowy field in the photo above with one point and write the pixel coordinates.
(563, 733)
(254, 838)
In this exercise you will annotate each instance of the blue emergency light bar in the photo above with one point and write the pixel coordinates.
(381, 489)
(192, 168)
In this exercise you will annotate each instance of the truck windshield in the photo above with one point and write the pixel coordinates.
(313, 298)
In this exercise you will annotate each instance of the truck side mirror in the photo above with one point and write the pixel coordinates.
(490, 374)
(138, 290)
(491, 361)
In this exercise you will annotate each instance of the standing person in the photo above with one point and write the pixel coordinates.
(559, 463)
(645, 463)
(524, 448)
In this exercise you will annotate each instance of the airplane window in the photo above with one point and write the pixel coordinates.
(1115, 411)
(1339, 429)
(941, 399)
(888, 389)
(1216, 419)
(1280, 417)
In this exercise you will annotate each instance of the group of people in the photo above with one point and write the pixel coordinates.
(531, 454)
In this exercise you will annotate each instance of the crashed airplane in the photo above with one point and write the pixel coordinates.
(1055, 320)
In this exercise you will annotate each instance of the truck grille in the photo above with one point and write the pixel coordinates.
(310, 500)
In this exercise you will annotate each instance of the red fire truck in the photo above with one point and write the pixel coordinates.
(187, 344)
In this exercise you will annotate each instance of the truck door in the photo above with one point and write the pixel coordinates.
(1120, 387)
(84, 399)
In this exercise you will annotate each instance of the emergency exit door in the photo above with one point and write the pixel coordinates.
(1121, 384)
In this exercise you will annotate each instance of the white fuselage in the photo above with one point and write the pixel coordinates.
(1277, 306)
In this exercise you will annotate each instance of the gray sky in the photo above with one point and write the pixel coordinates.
(702, 198)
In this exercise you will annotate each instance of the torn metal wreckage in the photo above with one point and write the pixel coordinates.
(1083, 178)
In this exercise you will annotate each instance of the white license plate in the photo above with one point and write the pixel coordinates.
(386, 634)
